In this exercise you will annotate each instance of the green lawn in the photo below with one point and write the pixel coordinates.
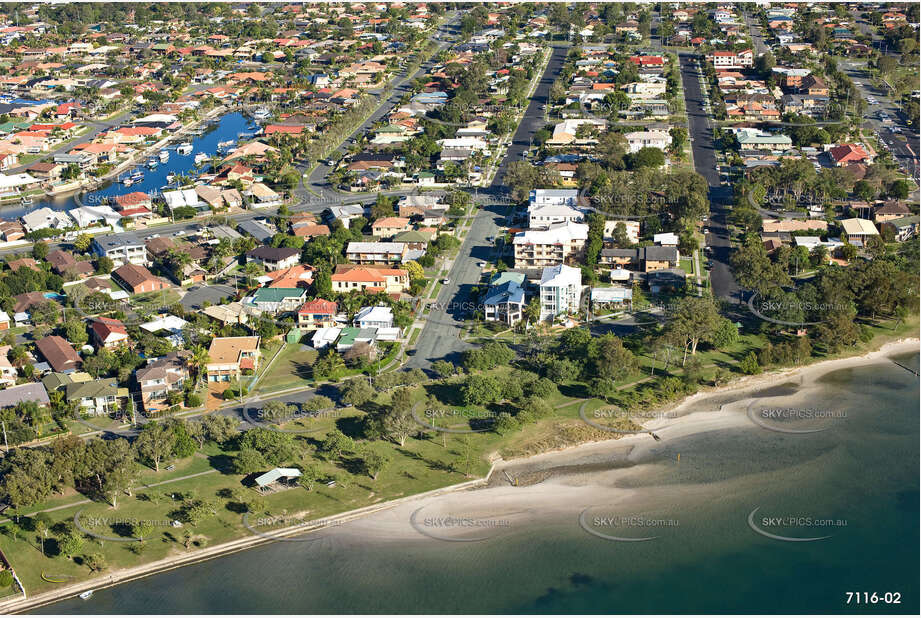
(293, 367)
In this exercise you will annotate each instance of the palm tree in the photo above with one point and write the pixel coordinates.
(199, 361)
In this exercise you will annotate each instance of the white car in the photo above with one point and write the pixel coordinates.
(481, 264)
(446, 281)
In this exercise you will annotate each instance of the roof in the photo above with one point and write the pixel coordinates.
(275, 474)
(274, 295)
(859, 227)
(319, 306)
(117, 241)
(273, 254)
(33, 391)
(134, 274)
(105, 387)
(59, 354)
(227, 349)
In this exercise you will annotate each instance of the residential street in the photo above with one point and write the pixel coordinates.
(701, 136)
(440, 336)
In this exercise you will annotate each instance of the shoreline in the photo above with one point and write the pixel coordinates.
(681, 425)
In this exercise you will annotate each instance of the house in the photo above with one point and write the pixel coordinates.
(274, 258)
(845, 154)
(813, 85)
(32, 391)
(59, 354)
(637, 140)
(857, 231)
(317, 313)
(505, 298)
(137, 279)
(546, 247)
(94, 397)
(4, 320)
(758, 140)
(62, 262)
(231, 313)
(361, 252)
(108, 333)
(124, 248)
(44, 218)
(387, 227)
(560, 291)
(350, 277)
(903, 228)
(277, 300)
(731, 60)
(646, 259)
(8, 371)
(260, 196)
(160, 377)
(325, 337)
(374, 317)
(890, 211)
(229, 357)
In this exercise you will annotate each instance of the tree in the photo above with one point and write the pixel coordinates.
(749, 364)
(444, 369)
(397, 421)
(42, 524)
(356, 392)
(249, 461)
(336, 444)
(275, 410)
(647, 156)
(695, 319)
(72, 543)
(480, 389)
(155, 443)
(505, 423)
(95, 562)
(610, 359)
(218, 428)
(276, 447)
(83, 242)
(40, 250)
(373, 463)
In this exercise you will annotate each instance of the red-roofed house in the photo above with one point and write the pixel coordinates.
(844, 154)
(108, 333)
(317, 313)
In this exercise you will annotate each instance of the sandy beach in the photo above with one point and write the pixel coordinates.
(549, 486)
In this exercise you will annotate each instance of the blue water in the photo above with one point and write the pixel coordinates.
(227, 128)
(862, 469)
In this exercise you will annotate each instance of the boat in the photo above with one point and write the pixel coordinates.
(26, 200)
(185, 148)
(164, 156)
(152, 164)
(170, 178)
(86, 595)
(128, 181)
(228, 144)
(201, 158)
(138, 174)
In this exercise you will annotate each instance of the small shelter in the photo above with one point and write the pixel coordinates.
(277, 479)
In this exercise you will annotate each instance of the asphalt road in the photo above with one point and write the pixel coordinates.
(439, 338)
(317, 180)
(701, 135)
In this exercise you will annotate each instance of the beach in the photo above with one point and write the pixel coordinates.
(559, 491)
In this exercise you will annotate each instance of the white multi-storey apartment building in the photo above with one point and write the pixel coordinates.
(560, 291)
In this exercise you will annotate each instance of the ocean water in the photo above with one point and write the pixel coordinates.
(854, 483)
